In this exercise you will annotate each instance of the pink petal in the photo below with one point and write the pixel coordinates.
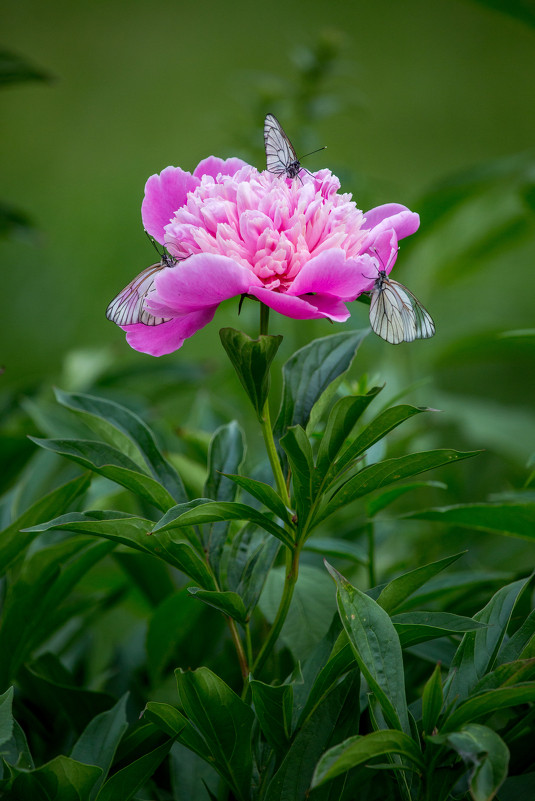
(164, 194)
(158, 340)
(310, 307)
(333, 274)
(391, 215)
(214, 166)
(203, 280)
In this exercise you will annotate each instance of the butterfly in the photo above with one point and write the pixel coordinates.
(395, 314)
(280, 155)
(127, 307)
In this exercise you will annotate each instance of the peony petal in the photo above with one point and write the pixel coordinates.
(391, 215)
(333, 274)
(164, 195)
(310, 307)
(158, 340)
(202, 280)
(215, 166)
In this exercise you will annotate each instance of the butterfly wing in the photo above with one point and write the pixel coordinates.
(127, 307)
(397, 315)
(280, 155)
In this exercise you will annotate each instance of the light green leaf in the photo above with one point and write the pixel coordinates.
(416, 627)
(511, 519)
(229, 603)
(384, 499)
(300, 458)
(400, 588)
(251, 358)
(263, 493)
(332, 547)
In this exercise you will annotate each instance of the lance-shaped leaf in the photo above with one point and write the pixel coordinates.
(335, 548)
(299, 452)
(310, 371)
(416, 627)
(127, 432)
(485, 755)
(387, 472)
(511, 519)
(127, 529)
(229, 603)
(384, 499)
(12, 539)
(342, 418)
(377, 649)
(273, 707)
(251, 358)
(376, 430)
(112, 464)
(205, 511)
(61, 778)
(432, 700)
(124, 784)
(225, 455)
(394, 593)
(478, 649)
(174, 724)
(224, 721)
(519, 642)
(488, 702)
(263, 493)
(360, 750)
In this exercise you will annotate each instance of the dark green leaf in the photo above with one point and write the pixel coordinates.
(127, 432)
(13, 540)
(332, 547)
(358, 750)
(511, 519)
(229, 603)
(273, 707)
(174, 724)
(377, 649)
(384, 499)
(521, 670)
(310, 371)
(112, 464)
(340, 661)
(263, 493)
(6, 716)
(124, 784)
(399, 589)
(387, 472)
(98, 743)
(16, 69)
(432, 700)
(484, 753)
(251, 358)
(120, 527)
(61, 779)
(514, 647)
(478, 649)
(224, 721)
(299, 452)
(342, 418)
(518, 788)
(205, 511)
(488, 702)
(416, 627)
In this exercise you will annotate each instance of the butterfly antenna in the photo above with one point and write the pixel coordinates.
(313, 151)
(385, 268)
(153, 243)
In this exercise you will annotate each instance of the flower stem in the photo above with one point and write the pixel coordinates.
(264, 318)
(292, 572)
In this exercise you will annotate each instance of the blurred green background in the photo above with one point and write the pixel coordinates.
(426, 104)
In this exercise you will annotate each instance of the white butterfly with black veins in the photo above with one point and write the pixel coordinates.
(127, 308)
(281, 157)
(395, 314)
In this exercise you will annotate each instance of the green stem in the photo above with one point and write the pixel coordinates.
(264, 318)
(236, 639)
(292, 572)
(272, 454)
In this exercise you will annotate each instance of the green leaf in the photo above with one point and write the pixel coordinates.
(98, 744)
(478, 649)
(342, 418)
(17, 69)
(488, 702)
(127, 432)
(400, 588)
(311, 611)
(225, 455)
(514, 647)
(310, 371)
(224, 721)
(112, 464)
(251, 358)
(273, 707)
(484, 753)
(205, 511)
(376, 430)
(6, 716)
(174, 724)
(511, 519)
(387, 472)
(521, 670)
(229, 603)
(13, 541)
(334, 548)
(292, 780)
(432, 700)
(384, 499)
(263, 493)
(299, 452)
(61, 779)
(359, 750)
(120, 527)
(340, 661)
(124, 784)
(416, 627)
(377, 649)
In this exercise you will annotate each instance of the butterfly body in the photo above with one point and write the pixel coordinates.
(127, 308)
(395, 314)
(281, 158)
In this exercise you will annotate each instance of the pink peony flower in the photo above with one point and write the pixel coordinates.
(299, 246)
